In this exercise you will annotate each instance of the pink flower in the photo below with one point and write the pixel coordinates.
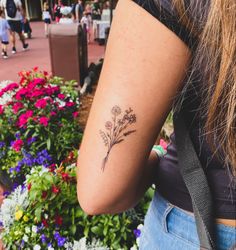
(70, 104)
(21, 93)
(11, 86)
(1, 110)
(17, 145)
(37, 92)
(75, 114)
(41, 104)
(61, 96)
(23, 119)
(17, 106)
(44, 121)
(53, 113)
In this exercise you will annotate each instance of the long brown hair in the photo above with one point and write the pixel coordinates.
(217, 51)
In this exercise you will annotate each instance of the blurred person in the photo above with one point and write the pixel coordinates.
(96, 10)
(46, 17)
(14, 14)
(4, 28)
(79, 9)
(66, 15)
(56, 10)
(87, 20)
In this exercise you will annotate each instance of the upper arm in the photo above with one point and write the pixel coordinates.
(143, 70)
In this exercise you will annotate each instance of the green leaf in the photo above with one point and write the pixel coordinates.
(73, 229)
(38, 212)
(48, 143)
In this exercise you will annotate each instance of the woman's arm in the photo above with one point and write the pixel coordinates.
(142, 72)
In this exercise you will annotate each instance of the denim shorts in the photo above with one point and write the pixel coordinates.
(167, 227)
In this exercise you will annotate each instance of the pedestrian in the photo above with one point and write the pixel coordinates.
(177, 55)
(14, 15)
(79, 9)
(96, 10)
(46, 17)
(57, 10)
(66, 15)
(4, 28)
(87, 20)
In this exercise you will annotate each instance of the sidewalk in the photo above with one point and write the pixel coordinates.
(37, 55)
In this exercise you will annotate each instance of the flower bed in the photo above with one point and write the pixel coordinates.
(39, 138)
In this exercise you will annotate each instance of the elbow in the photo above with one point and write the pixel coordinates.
(97, 204)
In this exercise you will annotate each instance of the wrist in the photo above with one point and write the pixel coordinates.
(159, 151)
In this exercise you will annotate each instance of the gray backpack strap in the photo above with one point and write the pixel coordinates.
(196, 182)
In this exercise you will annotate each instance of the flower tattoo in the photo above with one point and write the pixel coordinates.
(117, 129)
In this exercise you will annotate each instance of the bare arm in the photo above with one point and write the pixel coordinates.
(144, 65)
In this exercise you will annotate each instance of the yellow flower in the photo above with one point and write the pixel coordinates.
(18, 214)
(25, 218)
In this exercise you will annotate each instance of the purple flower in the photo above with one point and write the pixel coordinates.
(60, 240)
(31, 140)
(2, 144)
(43, 238)
(6, 193)
(137, 233)
(17, 135)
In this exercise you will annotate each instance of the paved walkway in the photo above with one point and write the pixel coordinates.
(37, 55)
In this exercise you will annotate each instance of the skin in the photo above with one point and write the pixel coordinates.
(143, 69)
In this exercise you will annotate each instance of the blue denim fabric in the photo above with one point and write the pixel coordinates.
(167, 227)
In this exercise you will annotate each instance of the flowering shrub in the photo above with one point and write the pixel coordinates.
(38, 122)
(44, 214)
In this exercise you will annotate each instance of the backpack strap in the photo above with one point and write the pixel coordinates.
(196, 182)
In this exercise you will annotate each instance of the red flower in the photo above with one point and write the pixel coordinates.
(44, 121)
(21, 93)
(23, 119)
(52, 167)
(65, 177)
(75, 114)
(29, 186)
(45, 222)
(44, 194)
(53, 113)
(61, 96)
(55, 189)
(70, 104)
(58, 220)
(35, 68)
(1, 110)
(17, 144)
(17, 106)
(41, 104)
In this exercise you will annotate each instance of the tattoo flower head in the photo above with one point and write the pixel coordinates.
(116, 110)
(108, 125)
(118, 130)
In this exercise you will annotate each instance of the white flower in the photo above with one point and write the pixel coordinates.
(140, 226)
(37, 247)
(50, 248)
(27, 230)
(25, 238)
(34, 229)
(134, 248)
(18, 199)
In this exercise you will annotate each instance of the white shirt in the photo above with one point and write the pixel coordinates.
(18, 16)
(46, 15)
